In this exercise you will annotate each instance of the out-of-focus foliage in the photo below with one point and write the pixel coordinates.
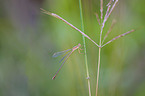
(29, 38)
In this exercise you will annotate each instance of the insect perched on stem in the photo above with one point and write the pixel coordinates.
(66, 56)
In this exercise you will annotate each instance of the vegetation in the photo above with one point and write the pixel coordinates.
(27, 66)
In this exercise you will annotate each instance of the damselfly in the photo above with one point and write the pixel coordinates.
(66, 56)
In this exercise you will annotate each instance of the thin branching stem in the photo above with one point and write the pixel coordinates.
(101, 9)
(112, 8)
(84, 43)
(118, 37)
(102, 27)
(104, 21)
(112, 25)
(108, 13)
(99, 55)
(98, 19)
(57, 16)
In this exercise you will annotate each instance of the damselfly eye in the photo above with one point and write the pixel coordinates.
(79, 44)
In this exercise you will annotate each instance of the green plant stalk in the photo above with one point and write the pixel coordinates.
(99, 58)
(98, 71)
(84, 43)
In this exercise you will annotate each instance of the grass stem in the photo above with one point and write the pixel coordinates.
(98, 71)
(84, 43)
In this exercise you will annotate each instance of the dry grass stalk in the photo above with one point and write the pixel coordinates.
(57, 16)
(112, 8)
(112, 25)
(108, 13)
(105, 19)
(109, 3)
(101, 9)
(119, 37)
(97, 16)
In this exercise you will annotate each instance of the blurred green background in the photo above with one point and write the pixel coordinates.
(28, 39)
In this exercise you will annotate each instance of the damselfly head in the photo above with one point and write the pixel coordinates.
(79, 44)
